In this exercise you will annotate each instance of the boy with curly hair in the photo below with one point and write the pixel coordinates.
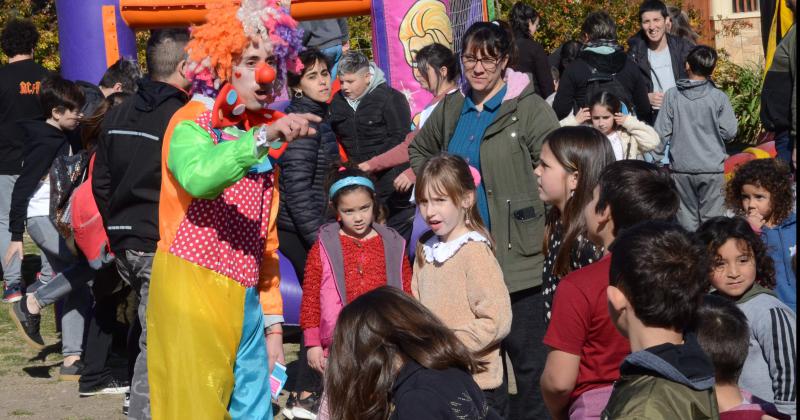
(761, 191)
(742, 271)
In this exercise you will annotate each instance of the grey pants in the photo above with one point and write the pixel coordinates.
(134, 267)
(71, 282)
(702, 197)
(12, 271)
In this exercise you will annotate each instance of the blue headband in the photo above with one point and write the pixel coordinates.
(348, 181)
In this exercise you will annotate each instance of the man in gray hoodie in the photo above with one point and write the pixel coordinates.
(331, 36)
(697, 119)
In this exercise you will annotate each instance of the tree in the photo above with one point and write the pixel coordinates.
(43, 14)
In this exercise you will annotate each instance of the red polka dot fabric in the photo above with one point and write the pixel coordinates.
(227, 234)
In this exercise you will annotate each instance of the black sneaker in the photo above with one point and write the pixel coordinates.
(71, 372)
(27, 323)
(126, 403)
(307, 408)
(111, 387)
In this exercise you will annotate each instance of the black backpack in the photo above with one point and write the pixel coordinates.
(607, 82)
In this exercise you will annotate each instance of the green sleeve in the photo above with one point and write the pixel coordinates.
(205, 169)
(428, 139)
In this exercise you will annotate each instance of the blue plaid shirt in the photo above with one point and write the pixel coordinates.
(466, 140)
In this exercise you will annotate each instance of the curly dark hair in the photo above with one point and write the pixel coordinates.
(716, 231)
(769, 174)
(19, 37)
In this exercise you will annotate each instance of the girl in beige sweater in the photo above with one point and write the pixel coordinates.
(456, 274)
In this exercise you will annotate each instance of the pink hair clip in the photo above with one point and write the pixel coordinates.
(342, 169)
(476, 175)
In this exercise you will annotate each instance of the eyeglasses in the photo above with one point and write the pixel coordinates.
(489, 64)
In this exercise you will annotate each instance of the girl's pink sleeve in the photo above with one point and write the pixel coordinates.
(397, 155)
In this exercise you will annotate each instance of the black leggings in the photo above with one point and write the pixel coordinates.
(293, 247)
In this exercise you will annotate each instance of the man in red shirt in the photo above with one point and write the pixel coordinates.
(586, 349)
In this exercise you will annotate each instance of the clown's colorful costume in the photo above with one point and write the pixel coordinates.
(216, 269)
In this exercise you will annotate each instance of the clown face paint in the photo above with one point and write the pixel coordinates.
(254, 95)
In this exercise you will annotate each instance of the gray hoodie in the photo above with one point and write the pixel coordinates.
(696, 120)
(770, 370)
(325, 33)
(377, 79)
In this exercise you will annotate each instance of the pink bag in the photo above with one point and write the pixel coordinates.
(87, 225)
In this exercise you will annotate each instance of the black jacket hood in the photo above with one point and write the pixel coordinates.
(605, 63)
(38, 130)
(151, 94)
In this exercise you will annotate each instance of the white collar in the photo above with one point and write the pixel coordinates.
(436, 250)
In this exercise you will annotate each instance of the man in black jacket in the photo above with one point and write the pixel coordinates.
(370, 117)
(659, 55)
(20, 80)
(127, 180)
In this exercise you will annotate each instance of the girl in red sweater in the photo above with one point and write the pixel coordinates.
(351, 257)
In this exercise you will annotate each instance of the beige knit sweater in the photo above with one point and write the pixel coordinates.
(468, 294)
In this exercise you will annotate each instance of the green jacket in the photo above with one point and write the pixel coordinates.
(509, 151)
(665, 382)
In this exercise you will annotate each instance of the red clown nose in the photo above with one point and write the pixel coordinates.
(265, 74)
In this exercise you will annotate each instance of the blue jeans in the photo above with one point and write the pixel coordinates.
(71, 282)
(334, 54)
(12, 271)
(135, 267)
(783, 147)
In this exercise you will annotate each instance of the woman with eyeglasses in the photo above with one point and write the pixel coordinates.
(498, 126)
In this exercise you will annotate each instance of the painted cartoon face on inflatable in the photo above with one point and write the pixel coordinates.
(425, 23)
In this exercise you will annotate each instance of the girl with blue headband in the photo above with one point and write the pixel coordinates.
(352, 256)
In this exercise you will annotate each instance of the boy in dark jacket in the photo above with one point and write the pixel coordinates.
(126, 183)
(370, 118)
(658, 277)
(30, 207)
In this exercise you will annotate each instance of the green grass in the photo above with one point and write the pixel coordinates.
(21, 413)
(16, 358)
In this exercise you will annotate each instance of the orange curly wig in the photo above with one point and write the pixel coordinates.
(216, 42)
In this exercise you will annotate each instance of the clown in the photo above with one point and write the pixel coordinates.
(215, 310)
